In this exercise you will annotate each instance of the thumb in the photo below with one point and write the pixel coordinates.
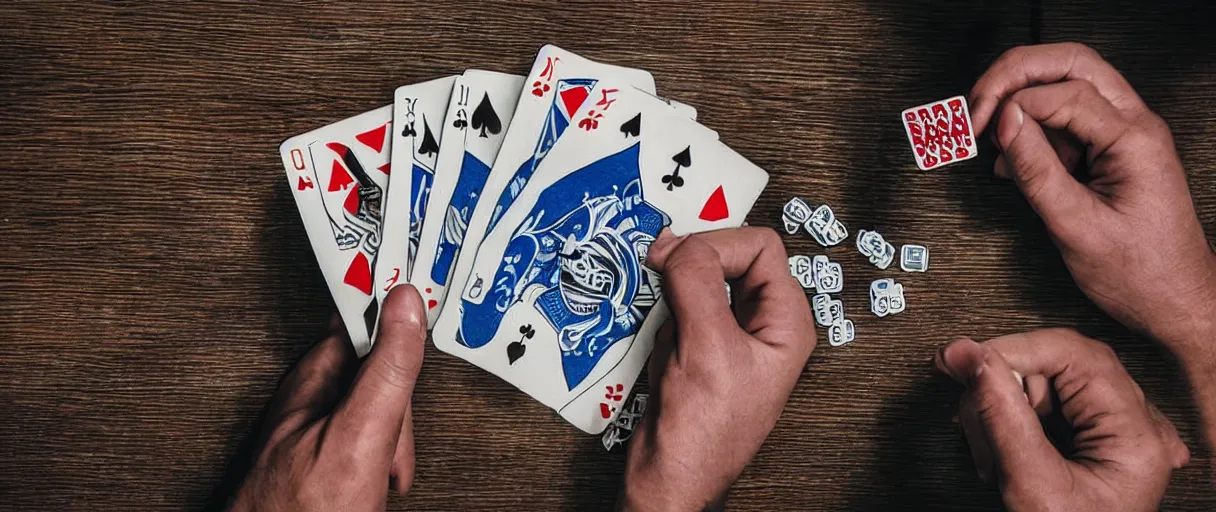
(1032, 162)
(996, 414)
(372, 415)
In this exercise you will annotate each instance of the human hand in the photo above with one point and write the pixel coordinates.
(331, 443)
(1117, 450)
(1128, 230)
(719, 379)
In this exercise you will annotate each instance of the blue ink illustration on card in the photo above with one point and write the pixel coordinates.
(473, 174)
(583, 243)
(571, 93)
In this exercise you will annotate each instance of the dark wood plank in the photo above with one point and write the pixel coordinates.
(157, 282)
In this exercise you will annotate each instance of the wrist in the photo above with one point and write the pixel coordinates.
(1195, 349)
(1191, 334)
(656, 481)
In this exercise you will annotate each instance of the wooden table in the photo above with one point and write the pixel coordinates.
(156, 281)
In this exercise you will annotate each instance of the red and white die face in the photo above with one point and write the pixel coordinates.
(940, 132)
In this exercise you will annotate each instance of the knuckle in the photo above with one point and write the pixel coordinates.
(1148, 132)
(1016, 100)
(1063, 332)
(990, 407)
(1075, 337)
(1107, 353)
(1031, 172)
(1161, 126)
(1082, 50)
(1016, 53)
(768, 238)
(1140, 398)
(394, 374)
(1140, 134)
(1083, 90)
(692, 256)
(1103, 352)
(1094, 350)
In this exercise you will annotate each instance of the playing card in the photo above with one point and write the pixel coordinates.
(683, 109)
(486, 103)
(418, 112)
(558, 84)
(558, 301)
(338, 175)
(940, 132)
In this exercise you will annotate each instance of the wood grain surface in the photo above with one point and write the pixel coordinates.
(156, 281)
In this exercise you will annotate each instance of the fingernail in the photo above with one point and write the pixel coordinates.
(415, 310)
(665, 237)
(944, 362)
(939, 360)
(1009, 125)
(983, 473)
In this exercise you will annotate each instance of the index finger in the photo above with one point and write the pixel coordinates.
(1049, 352)
(756, 260)
(1024, 66)
(1084, 371)
(694, 285)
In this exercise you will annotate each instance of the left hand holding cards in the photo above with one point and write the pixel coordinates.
(327, 445)
(719, 378)
(1076, 434)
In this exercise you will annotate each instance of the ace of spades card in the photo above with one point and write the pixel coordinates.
(488, 102)
(940, 132)
(338, 175)
(418, 112)
(566, 263)
(558, 84)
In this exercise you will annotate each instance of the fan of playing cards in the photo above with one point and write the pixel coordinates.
(522, 209)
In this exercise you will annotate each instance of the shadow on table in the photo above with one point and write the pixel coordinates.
(921, 460)
(919, 456)
(947, 64)
(598, 475)
(238, 466)
(302, 308)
